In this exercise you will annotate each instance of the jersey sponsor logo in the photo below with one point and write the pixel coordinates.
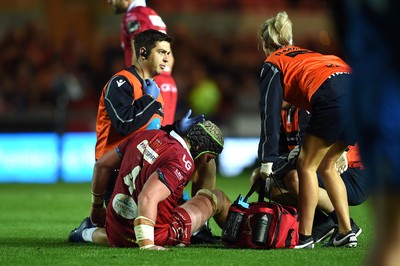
(120, 82)
(124, 206)
(168, 87)
(149, 155)
(187, 162)
(142, 146)
(133, 26)
(178, 174)
(157, 143)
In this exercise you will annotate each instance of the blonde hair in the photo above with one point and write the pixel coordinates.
(276, 32)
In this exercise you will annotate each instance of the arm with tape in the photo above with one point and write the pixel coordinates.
(154, 191)
(144, 231)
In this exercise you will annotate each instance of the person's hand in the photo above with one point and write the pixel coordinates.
(184, 125)
(342, 164)
(266, 170)
(153, 247)
(151, 88)
(292, 157)
(98, 216)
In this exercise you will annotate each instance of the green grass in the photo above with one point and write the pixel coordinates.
(35, 220)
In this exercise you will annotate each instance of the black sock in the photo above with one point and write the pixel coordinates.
(320, 218)
(334, 216)
(304, 238)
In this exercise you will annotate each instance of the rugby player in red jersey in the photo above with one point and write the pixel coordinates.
(145, 209)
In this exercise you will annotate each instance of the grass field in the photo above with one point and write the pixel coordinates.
(35, 220)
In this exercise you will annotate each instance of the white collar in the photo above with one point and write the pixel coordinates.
(136, 3)
(181, 141)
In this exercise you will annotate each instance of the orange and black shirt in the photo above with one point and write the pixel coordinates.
(124, 109)
(292, 74)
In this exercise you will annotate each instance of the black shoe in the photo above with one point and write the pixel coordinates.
(204, 236)
(305, 244)
(76, 235)
(355, 228)
(323, 230)
(348, 240)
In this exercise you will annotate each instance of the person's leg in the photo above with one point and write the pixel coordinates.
(292, 183)
(207, 204)
(323, 225)
(204, 178)
(312, 152)
(335, 187)
(207, 177)
(87, 232)
(100, 236)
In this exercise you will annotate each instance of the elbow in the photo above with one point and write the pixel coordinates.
(101, 165)
(144, 197)
(123, 128)
(144, 200)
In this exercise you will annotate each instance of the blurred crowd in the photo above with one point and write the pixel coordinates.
(35, 77)
(63, 82)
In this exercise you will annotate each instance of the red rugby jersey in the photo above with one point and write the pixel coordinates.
(169, 93)
(142, 154)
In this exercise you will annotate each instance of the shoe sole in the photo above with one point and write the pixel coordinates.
(305, 246)
(350, 245)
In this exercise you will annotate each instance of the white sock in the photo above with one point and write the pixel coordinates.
(88, 233)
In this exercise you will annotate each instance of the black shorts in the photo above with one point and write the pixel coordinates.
(327, 111)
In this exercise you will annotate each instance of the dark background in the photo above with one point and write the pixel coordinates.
(56, 56)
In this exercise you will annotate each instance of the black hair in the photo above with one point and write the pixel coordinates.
(148, 39)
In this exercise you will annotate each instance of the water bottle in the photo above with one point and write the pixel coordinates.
(260, 234)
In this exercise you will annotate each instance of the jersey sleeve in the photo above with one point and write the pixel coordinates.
(140, 19)
(176, 171)
(271, 95)
(122, 147)
(127, 114)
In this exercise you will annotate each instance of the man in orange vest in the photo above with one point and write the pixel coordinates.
(131, 100)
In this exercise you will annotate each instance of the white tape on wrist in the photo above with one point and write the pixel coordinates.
(144, 231)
